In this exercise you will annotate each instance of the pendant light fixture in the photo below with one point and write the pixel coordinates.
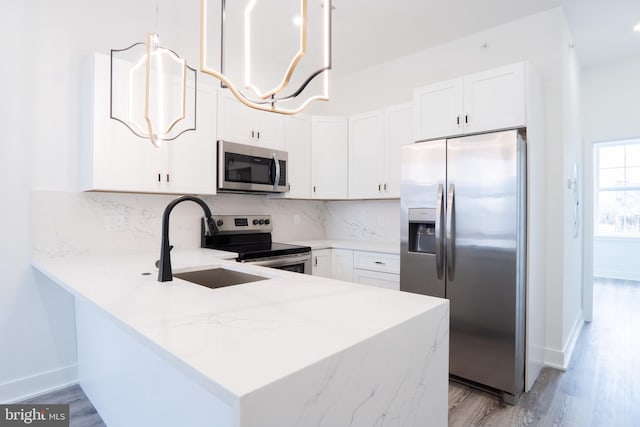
(249, 36)
(153, 91)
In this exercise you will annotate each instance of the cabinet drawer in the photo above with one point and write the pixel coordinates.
(386, 263)
(376, 278)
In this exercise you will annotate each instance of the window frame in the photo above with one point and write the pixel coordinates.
(597, 190)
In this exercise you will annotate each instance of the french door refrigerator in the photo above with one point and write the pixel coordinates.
(463, 230)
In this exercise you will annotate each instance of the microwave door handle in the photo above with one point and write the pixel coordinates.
(277, 177)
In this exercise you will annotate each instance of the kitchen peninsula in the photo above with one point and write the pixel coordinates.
(291, 350)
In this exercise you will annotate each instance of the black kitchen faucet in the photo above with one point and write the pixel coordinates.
(164, 265)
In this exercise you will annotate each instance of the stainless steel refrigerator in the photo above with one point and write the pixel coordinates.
(463, 231)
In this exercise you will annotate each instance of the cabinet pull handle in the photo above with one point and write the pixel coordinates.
(159, 177)
(316, 261)
(385, 187)
(379, 263)
(314, 188)
(466, 120)
(253, 134)
(168, 179)
(379, 187)
(258, 133)
(458, 121)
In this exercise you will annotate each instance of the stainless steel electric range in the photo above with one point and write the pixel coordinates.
(250, 237)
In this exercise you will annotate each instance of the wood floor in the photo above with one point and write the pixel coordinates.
(600, 389)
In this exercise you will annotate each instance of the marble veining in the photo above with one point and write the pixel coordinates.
(70, 224)
(293, 350)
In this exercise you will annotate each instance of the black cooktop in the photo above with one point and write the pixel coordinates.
(252, 246)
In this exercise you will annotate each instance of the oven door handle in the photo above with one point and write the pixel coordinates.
(280, 262)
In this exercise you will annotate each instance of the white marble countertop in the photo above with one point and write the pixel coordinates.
(356, 245)
(236, 339)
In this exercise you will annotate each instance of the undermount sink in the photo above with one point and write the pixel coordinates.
(218, 277)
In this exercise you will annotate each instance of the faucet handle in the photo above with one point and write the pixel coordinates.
(157, 263)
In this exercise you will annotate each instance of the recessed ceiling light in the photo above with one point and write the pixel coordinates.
(297, 20)
(636, 28)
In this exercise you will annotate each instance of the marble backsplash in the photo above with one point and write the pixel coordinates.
(377, 220)
(71, 223)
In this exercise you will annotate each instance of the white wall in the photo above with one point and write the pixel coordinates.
(535, 38)
(543, 39)
(36, 318)
(572, 238)
(610, 110)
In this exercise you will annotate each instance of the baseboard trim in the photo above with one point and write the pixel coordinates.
(35, 385)
(560, 359)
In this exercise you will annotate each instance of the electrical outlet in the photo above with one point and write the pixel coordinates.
(296, 219)
(114, 223)
(381, 220)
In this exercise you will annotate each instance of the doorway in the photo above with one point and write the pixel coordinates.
(614, 223)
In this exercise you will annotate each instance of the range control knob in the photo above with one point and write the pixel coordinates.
(267, 222)
(255, 222)
(261, 222)
(219, 223)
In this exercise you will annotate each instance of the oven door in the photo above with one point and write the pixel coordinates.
(299, 263)
(251, 169)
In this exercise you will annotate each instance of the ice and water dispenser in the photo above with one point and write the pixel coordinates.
(422, 230)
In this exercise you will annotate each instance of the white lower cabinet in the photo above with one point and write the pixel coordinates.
(376, 278)
(367, 268)
(321, 263)
(377, 269)
(342, 264)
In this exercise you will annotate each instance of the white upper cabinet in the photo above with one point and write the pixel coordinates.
(244, 125)
(114, 159)
(398, 131)
(438, 109)
(366, 155)
(298, 145)
(375, 139)
(490, 100)
(495, 99)
(329, 157)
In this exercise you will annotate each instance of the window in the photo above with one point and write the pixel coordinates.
(617, 188)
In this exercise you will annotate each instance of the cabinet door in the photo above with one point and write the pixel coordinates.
(376, 278)
(298, 145)
(191, 165)
(329, 157)
(321, 263)
(115, 159)
(438, 110)
(398, 128)
(268, 129)
(495, 99)
(235, 120)
(342, 264)
(366, 155)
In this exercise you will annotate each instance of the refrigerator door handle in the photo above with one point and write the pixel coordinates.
(439, 227)
(451, 234)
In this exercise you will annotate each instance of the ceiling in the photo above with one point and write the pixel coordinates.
(603, 29)
(368, 32)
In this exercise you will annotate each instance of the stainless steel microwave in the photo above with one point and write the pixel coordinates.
(245, 168)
